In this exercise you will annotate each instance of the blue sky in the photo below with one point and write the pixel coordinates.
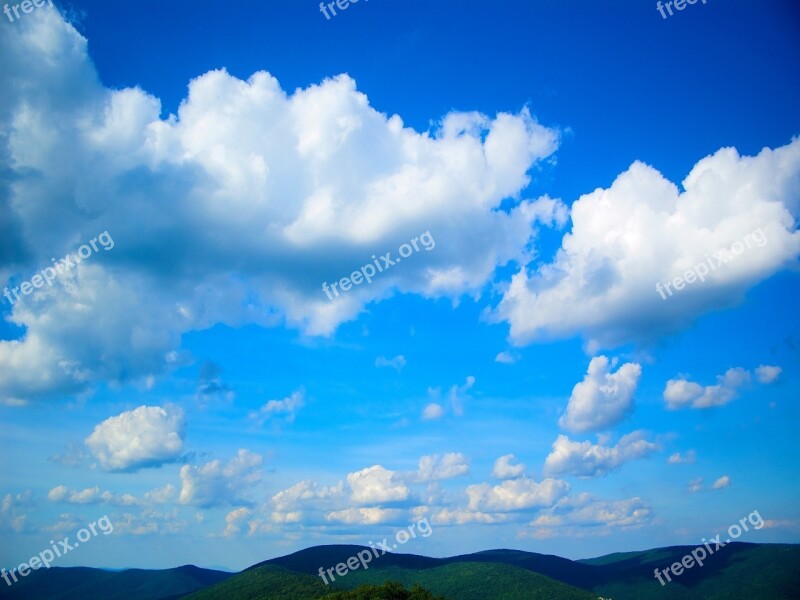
(194, 383)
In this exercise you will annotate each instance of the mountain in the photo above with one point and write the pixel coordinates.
(739, 570)
(82, 583)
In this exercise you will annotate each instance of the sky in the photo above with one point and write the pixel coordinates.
(525, 270)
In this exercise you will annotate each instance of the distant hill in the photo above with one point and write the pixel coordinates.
(82, 583)
(738, 571)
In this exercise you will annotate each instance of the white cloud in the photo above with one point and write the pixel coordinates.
(397, 363)
(603, 398)
(677, 459)
(304, 492)
(515, 494)
(506, 358)
(432, 412)
(644, 230)
(680, 393)
(721, 483)
(459, 516)
(161, 495)
(503, 469)
(457, 395)
(767, 374)
(437, 467)
(218, 484)
(234, 521)
(695, 485)
(287, 408)
(571, 515)
(253, 179)
(148, 436)
(364, 516)
(12, 511)
(584, 459)
(375, 485)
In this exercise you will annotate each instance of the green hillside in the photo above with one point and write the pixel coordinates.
(59, 583)
(475, 581)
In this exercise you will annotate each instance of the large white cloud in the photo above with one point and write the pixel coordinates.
(515, 494)
(148, 436)
(603, 398)
(585, 459)
(642, 231)
(376, 484)
(235, 210)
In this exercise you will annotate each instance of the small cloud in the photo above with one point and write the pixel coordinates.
(677, 459)
(397, 363)
(437, 468)
(503, 469)
(767, 374)
(432, 411)
(458, 393)
(287, 407)
(506, 358)
(721, 483)
(695, 485)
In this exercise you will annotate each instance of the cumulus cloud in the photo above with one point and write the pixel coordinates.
(584, 459)
(432, 411)
(364, 516)
(218, 484)
(767, 373)
(603, 398)
(397, 363)
(376, 484)
(721, 483)
(574, 515)
(680, 393)
(286, 408)
(677, 459)
(506, 358)
(305, 492)
(644, 230)
(13, 515)
(234, 521)
(148, 436)
(503, 469)
(696, 484)
(438, 467)
(255, 180)
(515, 494)
(91, 495)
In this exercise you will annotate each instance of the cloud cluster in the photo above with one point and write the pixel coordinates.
(584, 459)
(681, 393)
(218, 484)
(260, 196)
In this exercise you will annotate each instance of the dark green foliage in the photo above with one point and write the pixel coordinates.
(388, 591)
